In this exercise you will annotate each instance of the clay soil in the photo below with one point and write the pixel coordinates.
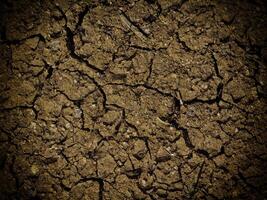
(133, 99)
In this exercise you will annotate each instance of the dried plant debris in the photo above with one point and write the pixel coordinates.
(137, 31)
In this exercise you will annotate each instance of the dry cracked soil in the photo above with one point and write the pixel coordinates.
(133, 99)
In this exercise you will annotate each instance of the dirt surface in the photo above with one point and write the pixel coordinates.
(145, 99)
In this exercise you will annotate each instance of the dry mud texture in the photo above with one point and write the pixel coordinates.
(145, 99)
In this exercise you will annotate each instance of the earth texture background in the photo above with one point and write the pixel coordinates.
(133, 99)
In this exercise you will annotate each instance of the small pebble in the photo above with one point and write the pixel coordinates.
(68, 125)
(143, 183)
(34, 169)
(172, 128)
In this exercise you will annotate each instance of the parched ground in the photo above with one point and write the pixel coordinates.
(133, 99)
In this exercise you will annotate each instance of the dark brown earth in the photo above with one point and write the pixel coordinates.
(145, 99)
